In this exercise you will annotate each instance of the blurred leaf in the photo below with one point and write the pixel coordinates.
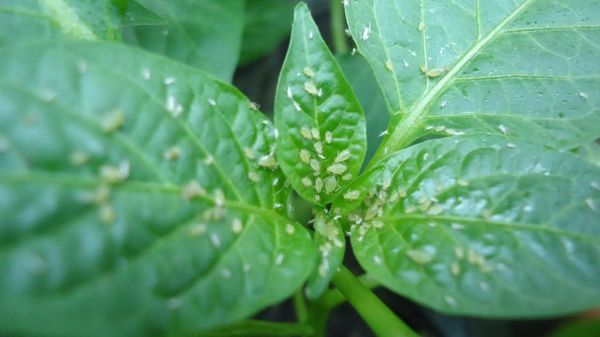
(134, 197)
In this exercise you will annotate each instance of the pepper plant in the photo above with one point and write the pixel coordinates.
(141, 194)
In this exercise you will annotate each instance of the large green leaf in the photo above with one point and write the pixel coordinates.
(135, 197)
(266, 24)
(22, 20)
(523, 69)
(322, 125)
(481, 226)
(206, 34)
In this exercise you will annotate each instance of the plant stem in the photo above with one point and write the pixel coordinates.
(376, 314)
(300, 306)
(334, 297)
(254, 328)
(340, 44)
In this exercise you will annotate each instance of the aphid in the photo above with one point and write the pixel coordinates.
(330, 184)
(315, 165)
(237, 226)
(315, 133)
(451, 302)
(436, 209)
(305, 156)
(353, 51)
(435, 72)
(254, 106)
(352, 195)
(324, 268)
(279, 259)
(583, 95)
(253, 176)
(377, 224)
(146, 74)
(328, 137)
(289, 93)
(386, 182)
(319, 185)
(192, 189)
(377, 259)
(366, 32)
(107, 213)
(308, 72)
(337, 169)
(267, 161)
(422, 68)
(212, 102)
(343, 156)
(173, 107)
(198, 229)
(219, 198)
(455, 268)
(76, 158)
(277, 205)
(290, 229)
(421, 26)
(511, 145)
(405, 63)
(310, 34)
(249, 153)
(169, 80)
(305, 132)
(419, 256)
(310, 88)
(443, 104)
(591, 204)
(115, 174)
(347, 176)
(209, 160)
(389, 65)
(318, 147)
(114, 121)
(306, 182)
(172, 153)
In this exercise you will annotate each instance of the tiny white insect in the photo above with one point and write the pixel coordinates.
(215, 240)
(311, 88)
(343, 156)
(289, 92)
(193, 189)
(377, 259)
(253, 176)
(113, 121)
(382, 133)
(219, 198)
(306, 182)
(267, 161)
(318, 147)
(330, 184)
(212, 102)
(305, 156)
(308, 72)
(328, 137)
(366, 32)
(237, 226)
(198, 229)
(315, 165)
(76, 158)
(389, 65)
(315, 133)
(419, 256)
(169, 80)
(503, 128)
(115, 174)
(249, 153)
(421, 26)
(305, 132)
(279, 259)
(290, 229)
(318, 185)
(209, 160)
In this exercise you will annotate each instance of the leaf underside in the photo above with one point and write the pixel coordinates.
(133, 199)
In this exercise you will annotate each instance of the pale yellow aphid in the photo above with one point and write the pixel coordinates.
(318, 147)
(115, 174)
(267, 161)
(305, 132)
(328, 137)
(249, 153)
(253, 176)
(308, 72)
(305, 156)
(237, 226)
(315, 133)
(352, 195)
(114, 121)
(421, 26)
(330, 184)
(193, 189)
(306, 182)
(389, 65)
(310, 88)
(219, 198)
(419, 256)
(347, 176)
(318, 185)
(173, 153)
(343, 156)
(290, 229)
(107, 213)
(315, 165)
(435, 72)
(337, 169)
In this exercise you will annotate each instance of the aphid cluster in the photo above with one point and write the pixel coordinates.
(328, 229)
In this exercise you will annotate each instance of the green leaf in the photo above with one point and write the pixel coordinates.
(329, 240)
(22, 20)
(205, 34)
(361, 78)
(589, 152)
(267, 23)
(132, 197)
(322, 126)
(523, 69)
(481, 226)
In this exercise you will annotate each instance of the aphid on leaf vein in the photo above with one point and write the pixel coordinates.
(198, 229)
(115, 174)
(310, 88)
(343, 156)
(249, 153)
(279, 259)
(253, 176)
(315, 165)
(352, 195)
(308, 72)
(328, 137)
(318, 185)
(318, 147)
(267, 161)
(419, 256)
(330, 184)
(237, 226)
(253, 106)
(173, 153)
(421, 26)
(315, 133)
(209, 160)
(212, 102)
(192, 189)
(114, 121)
(366, 32)
(435, 72)
(347, 176)
(306, 182)
(219, 198)
(305, 132)
(389, 65)
(305, 156)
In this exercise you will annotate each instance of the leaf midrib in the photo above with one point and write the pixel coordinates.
(404, 130)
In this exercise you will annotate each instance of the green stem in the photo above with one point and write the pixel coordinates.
(376, 314)
(254, 328)
(334, 297)
(300, 306)
(340, 44)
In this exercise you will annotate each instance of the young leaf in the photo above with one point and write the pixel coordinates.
(133, 197)
(481, 227)
(22, 20)
(330, 242)
(321, 124)
(522, 69)
(205, 34)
